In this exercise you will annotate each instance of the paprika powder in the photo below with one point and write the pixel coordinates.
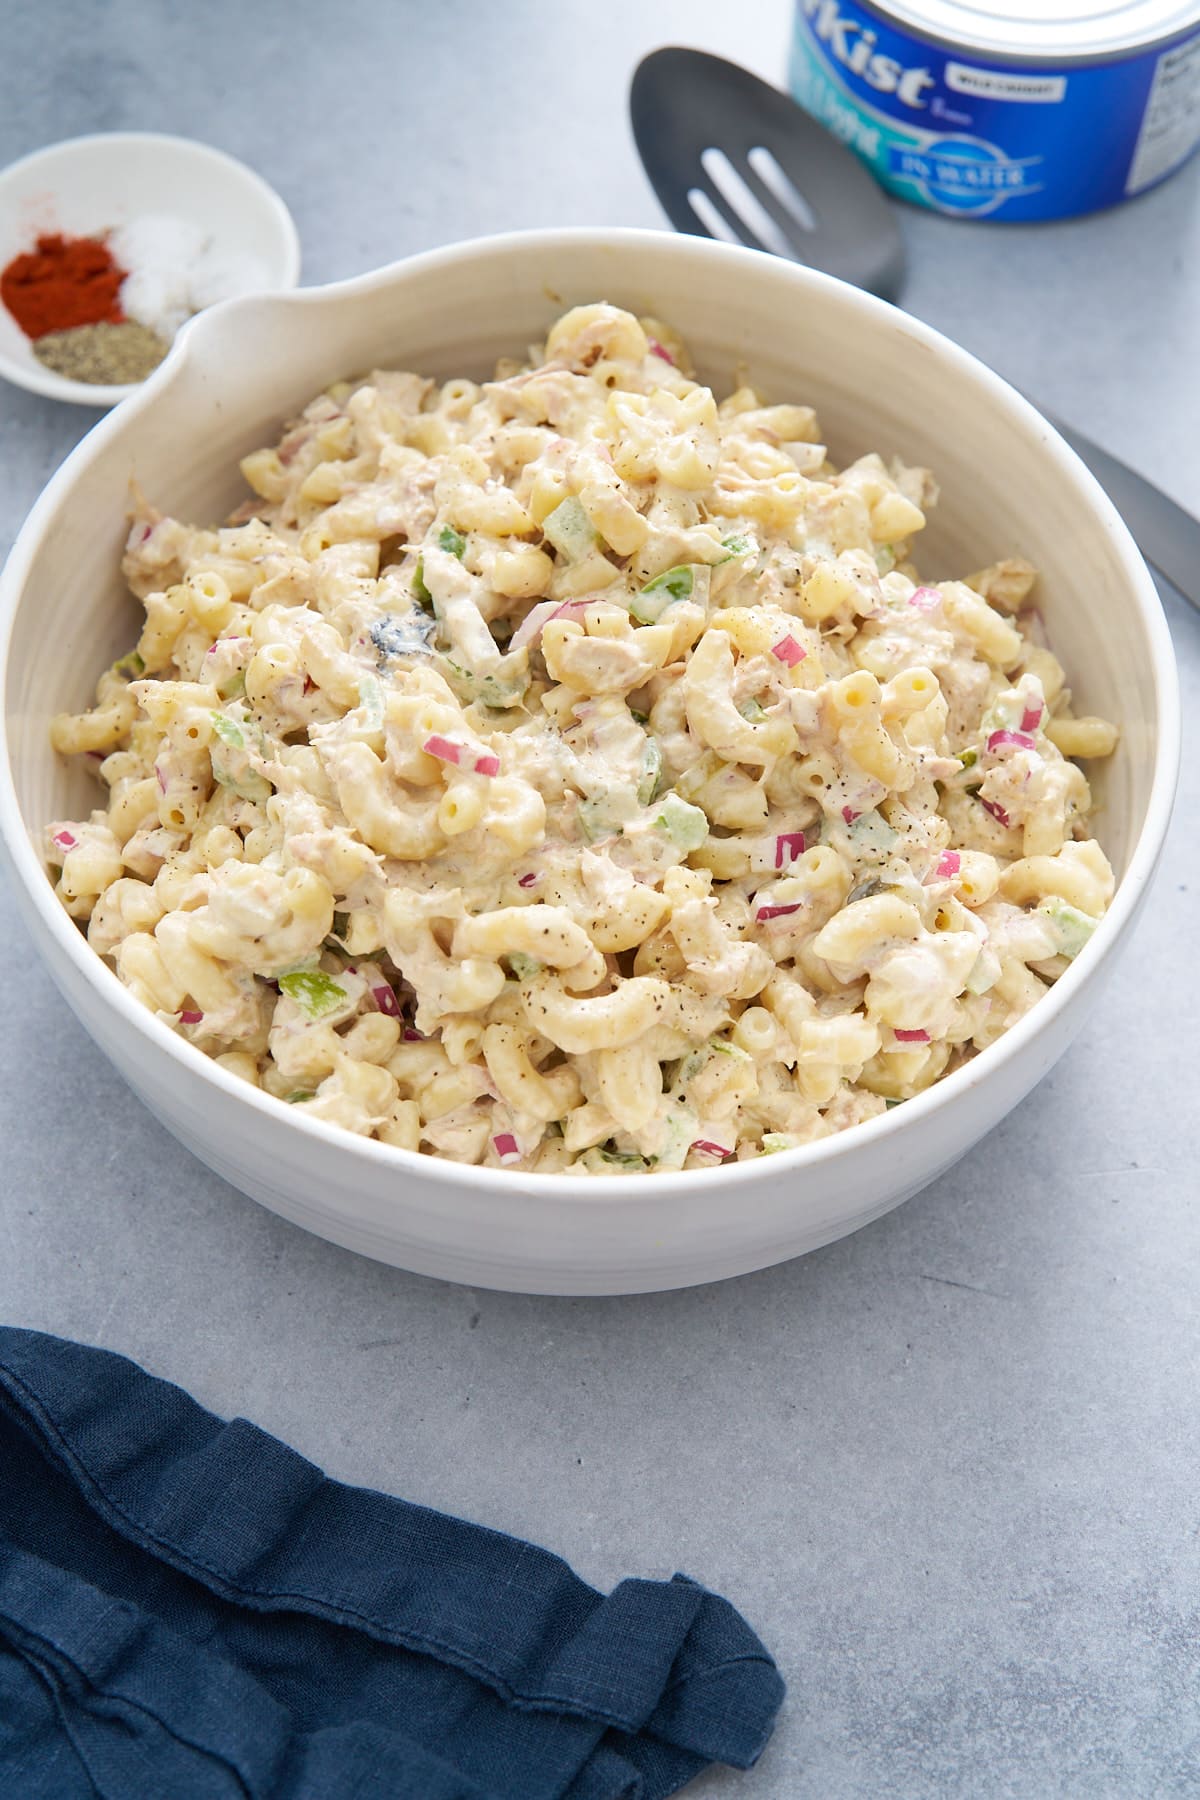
(61, 283)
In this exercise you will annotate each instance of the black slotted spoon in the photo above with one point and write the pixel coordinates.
(704, 129)
(730, 156)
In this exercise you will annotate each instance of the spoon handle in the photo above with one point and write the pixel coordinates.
(1167, 536)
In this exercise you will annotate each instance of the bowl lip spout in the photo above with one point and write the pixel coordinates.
(509, 248)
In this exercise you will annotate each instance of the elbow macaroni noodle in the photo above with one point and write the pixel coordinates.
(572, 772)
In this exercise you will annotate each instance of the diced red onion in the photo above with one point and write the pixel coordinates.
(539, 615)
(410, 1035)
(656, 349)
(527, 880)
(1019, 740)
(849, 814)
(64, 840)
(531, 625)
(776, 912)
(925, 599)
(190, 1018)
(96, 755)
(161, 779)
(449, 752)
(1031, 718)
(506, 1147)
(997, 812)
(385, 999)
(789, 651)
(708, 1148)
(788, 846)
(910, 1037)
(949, 863)
(443, 749)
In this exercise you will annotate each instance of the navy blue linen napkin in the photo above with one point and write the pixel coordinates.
(189, 1609)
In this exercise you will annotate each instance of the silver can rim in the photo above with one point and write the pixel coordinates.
(950, 25)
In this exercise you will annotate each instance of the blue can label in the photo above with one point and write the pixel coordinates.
(949, 131)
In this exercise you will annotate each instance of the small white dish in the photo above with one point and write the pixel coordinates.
(89, 185)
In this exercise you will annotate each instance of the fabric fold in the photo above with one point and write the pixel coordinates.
(120, 1676)
(342, 1609)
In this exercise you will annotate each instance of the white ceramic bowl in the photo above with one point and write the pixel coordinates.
(880, 381)
(89, 185)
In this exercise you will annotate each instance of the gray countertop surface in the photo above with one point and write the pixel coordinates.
(947, 1467)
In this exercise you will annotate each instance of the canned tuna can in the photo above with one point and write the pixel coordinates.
(1038, 109)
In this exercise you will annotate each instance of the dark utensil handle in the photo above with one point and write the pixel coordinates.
(1167, 535)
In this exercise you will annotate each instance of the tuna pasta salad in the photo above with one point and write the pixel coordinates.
(572, 771)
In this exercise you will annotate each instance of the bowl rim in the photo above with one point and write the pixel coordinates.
(566, 1187)
(37, 380)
